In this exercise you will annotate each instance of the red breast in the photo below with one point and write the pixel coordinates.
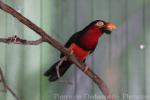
(78, 51)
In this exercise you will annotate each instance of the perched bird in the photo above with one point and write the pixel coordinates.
(81, 44)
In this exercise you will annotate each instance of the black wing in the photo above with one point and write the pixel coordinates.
(73, 39)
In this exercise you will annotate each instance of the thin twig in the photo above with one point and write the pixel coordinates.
(3, 80)
(16, 40)
(6, 87)
(101, 84)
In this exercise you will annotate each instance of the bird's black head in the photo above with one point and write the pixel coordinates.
(105, 27)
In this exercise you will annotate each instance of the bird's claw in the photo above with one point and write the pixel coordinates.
(86, 68)
(71, 51)
(65, 58)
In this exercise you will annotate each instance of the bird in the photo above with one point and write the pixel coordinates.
(81, 44)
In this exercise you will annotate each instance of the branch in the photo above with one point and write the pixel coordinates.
(6, 87)
(2, 79)
(16, 40)
(59, 47)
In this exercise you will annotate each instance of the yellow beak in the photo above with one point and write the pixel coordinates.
(111, 26)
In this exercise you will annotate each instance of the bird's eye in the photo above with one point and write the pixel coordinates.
(100, 24)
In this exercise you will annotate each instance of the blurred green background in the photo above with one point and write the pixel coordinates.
(121, 60)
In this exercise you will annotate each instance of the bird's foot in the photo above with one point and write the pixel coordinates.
(71, 51)
(58, 65)
(86, 68)
(66, 58)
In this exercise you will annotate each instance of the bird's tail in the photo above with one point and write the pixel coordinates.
(52, 71)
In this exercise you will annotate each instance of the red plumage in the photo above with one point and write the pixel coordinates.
(79, 52)
(81, 44)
